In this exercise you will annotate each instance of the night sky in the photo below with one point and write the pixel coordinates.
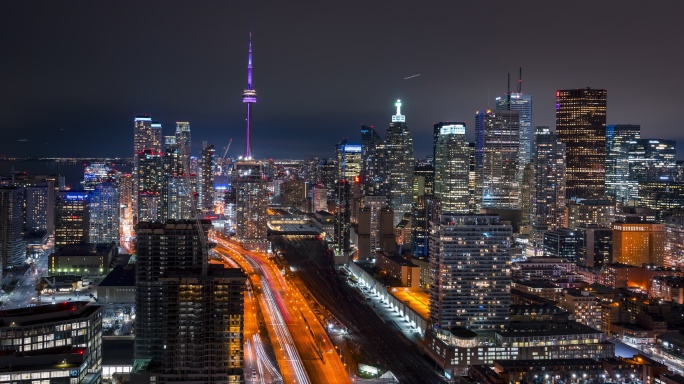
(74, 73)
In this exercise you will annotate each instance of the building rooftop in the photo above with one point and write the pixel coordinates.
(117, 351)
(120, 276)
(397, 259)
(415, 298)
(535, 284)
(543, 363)
(86, 249)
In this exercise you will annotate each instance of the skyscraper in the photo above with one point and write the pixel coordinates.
(150, 179)
(12, 248)
(548, 202)
(206, 179)
(251, 201)
(147, 135)
(518, 101)
(452, 164)
(374, 161)
(183, 139)
(619, 187)
(104, 214)
(470, 259)
(190, 316)
(249, 98)
(400, 164)
(581, 126)
(497, 159)
(40, 207)
(652, 160)
(71, 218)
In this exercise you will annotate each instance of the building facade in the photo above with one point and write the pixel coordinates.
(470, 259)
(452, 164)
(497, 147)
(581, 126)
(400, 164)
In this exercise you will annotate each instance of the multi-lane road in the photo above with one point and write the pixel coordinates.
(25, 289)
(378, 343)
(302, 347)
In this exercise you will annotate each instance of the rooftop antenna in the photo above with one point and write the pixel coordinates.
(520, 80)
(508, 93)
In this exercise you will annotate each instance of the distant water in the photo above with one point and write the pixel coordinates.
(71, 171)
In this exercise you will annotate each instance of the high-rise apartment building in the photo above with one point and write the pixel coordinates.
(206, 179)
(376, 232)
(548, 202)
(251, 201)
(497, 146)
(183, 140)
(581, 126)
(400, 164)
(150, 179)
(522, 103)
(104, 214)
(40, 207)
(147, 135)
(452, 165)
(620, 187)
(71, 218)
(470, 258)
(203, 334)
(12, 247)
(190, 316)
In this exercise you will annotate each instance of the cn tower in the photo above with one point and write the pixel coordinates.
(249, 97)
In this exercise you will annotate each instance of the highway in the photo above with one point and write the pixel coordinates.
(304, 351)
(377, 343)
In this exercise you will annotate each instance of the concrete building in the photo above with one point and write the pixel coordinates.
(190, 317)
(251, 201)
(375, 230)
(71, 218)
(584, 306)
(12, 247)
(398, 269)
(639, 243)
(85, 259)
(58, 343)
(470, 259)
(104, 211)
(118, 287)
(586, 212)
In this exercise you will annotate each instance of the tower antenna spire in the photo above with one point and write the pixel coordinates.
(508, 93)
(249, 97)
(520, 80)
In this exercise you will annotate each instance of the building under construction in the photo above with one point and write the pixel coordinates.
(190, 315)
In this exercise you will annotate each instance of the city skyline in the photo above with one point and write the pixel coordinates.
(82, 76)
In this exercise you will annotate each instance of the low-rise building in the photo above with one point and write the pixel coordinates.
(83, 259)
(398, 268)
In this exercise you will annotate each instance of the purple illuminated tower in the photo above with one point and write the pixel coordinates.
(249, 97)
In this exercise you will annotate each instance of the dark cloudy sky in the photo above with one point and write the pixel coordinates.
(74, 73)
